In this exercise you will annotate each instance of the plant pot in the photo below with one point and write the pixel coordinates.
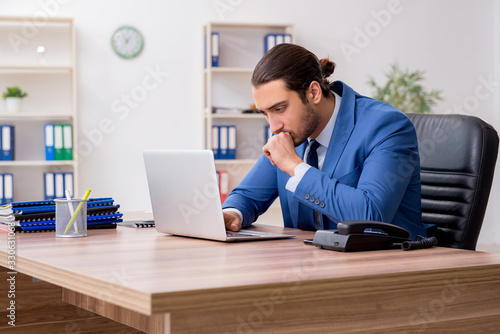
(13, 104)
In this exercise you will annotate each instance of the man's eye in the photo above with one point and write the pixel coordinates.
(280, 109)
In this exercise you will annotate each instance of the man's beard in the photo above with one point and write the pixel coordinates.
(310, 121)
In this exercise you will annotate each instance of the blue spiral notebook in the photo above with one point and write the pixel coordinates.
(46, 206)
(39, 216)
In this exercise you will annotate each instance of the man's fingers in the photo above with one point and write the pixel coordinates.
(268, 155)
(280, 150)
(232, 221)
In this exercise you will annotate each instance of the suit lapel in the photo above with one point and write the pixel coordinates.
(343, 127)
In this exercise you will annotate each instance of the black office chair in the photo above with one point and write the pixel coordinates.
(457, 158)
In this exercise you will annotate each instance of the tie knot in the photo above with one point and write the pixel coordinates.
(313, 145)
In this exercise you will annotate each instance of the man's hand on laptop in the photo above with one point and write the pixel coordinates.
(232, 221)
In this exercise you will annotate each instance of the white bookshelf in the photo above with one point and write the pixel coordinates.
(50, 84)
(228, 86)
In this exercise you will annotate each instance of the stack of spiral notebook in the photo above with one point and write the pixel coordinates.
(39, 216)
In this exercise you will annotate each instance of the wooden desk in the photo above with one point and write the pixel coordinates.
(166, 284)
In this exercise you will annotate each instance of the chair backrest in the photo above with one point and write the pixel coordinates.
(457, 159)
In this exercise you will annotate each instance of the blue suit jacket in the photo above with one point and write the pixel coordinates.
(371, 172)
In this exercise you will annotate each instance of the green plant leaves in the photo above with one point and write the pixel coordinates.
(14, 92)
(404, 90)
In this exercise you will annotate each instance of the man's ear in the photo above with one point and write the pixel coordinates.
(314, 92)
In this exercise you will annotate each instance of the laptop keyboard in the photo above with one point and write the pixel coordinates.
(231, 234)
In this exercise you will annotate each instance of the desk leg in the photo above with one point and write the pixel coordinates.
(154, 324)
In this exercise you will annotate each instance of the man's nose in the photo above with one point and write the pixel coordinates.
(275, 123)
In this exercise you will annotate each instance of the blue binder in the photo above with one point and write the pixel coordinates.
(59, 185)
(269, 42)
(223, 142)
(231, 142)
(216, 141)
(215, 49)
(49, 142)
(8, 188)
(7, 132)
(215, 45)
(68, 182)
(2, 202)
(49, 186)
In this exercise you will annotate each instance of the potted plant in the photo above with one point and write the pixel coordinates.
(13, 96)
(404, 91)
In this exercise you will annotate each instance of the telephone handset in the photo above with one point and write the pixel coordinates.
(361, 235)
(360, 226)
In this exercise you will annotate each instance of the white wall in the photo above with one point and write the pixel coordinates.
(457, 43)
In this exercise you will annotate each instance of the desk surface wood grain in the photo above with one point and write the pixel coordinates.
(149, 272)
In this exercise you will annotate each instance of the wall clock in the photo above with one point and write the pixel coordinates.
(127, 42)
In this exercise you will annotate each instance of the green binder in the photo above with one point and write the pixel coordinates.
(67, 142)
(58, 142)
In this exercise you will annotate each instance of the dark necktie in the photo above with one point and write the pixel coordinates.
(312, 156)
(307, 213)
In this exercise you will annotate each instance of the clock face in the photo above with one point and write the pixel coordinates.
(127, 42)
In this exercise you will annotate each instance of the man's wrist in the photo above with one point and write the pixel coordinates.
(299, 172)
(293, 165)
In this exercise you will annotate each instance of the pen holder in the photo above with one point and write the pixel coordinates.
(65, 210)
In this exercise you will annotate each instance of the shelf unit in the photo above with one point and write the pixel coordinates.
(228, 85)
(50, 81)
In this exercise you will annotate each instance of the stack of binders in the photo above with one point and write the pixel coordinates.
(271, 40)
(224, 141)
(56, 184)
(58, 142)
(39, 216)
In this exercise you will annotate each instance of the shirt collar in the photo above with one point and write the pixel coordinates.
(324, 137)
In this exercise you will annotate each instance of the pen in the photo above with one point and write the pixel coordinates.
(77, 211)
(70, 207)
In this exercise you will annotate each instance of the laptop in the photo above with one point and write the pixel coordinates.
(184, 192)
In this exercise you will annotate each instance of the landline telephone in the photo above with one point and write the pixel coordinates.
(363, 235)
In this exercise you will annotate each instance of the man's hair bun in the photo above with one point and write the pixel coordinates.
(328, 67)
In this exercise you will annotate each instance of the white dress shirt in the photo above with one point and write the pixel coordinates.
(324, 140)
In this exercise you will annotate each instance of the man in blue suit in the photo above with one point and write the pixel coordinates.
(335, 155)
